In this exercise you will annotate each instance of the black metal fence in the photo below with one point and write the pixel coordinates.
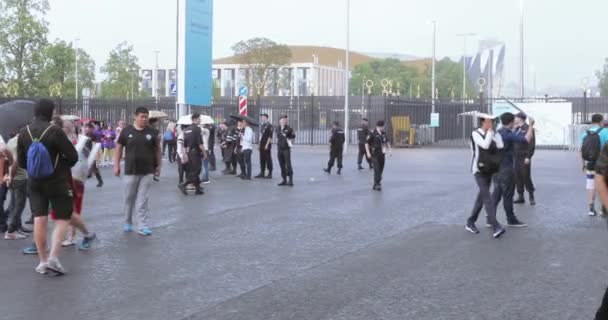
(407, 120)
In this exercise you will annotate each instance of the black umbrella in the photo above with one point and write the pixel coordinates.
(246, 118)
(14, 115)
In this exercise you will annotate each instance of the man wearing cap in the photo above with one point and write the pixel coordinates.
(362, 134)
(285, 137)
(484, 141)
(376, 147)
(191, 152)
(265, 146)
(336, 147)
(523, 161)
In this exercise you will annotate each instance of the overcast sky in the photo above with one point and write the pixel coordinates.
(565, 39)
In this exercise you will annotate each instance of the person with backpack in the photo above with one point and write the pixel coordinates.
(504, 181)
(487, 147)
(47, 155)
(169, 140)
(593, 141)
(336, 147)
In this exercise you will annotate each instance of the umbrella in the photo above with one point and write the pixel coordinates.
(205, 119)
(68, 117)
(246, 118)
(155, 114)
(185, 120)
(14, 115)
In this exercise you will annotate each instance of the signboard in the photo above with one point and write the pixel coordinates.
(552, 119)
(195, 36)
(172, 89)
(434, 120)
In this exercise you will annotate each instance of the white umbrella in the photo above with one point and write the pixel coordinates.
(68, 117)
(205, 119)
(155, 114)
(185, 120)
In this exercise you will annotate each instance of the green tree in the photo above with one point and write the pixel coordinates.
(59, 68)
(122, 69)
(262, 57)
(23, 32)
(602, 77)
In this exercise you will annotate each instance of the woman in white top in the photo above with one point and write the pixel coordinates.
(485, 144)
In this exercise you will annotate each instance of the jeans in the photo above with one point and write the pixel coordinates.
(484, 199)
(17, 204)
(172, 146)
(211, 158)
(504, 188)
(3, 213)
(205, 170)
(247, 161)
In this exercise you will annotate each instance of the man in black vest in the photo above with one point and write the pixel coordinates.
(285, 137)
(362, 134)
(336, 147)
(376, 147)
(265, 146)
(523, 153)
(192, 155)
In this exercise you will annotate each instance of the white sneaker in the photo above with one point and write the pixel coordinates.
(14, 236)
(54, 266)
(41, 268)
(592, 213)
(68, 242)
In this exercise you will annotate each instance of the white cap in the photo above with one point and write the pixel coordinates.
(485, 116)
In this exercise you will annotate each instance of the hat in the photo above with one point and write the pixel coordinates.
(380, 123)
(364, 119)
(485, 116)
(522, 116)
(264, 115)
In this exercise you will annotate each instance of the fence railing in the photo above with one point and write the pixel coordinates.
(407, 120)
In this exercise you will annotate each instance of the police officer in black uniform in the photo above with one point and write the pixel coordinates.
(194, 148)
(362, 134)
(376, 147)
(265, 146)
(336, 147)
(285, 136)
(523, 153)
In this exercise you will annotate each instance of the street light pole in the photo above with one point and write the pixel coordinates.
(464, 77)
(155, 75)
(521, 47)
(433, 88)
(76, 68)
(346, 77)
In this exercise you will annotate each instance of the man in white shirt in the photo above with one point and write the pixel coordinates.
(485, 144)
(247, 149)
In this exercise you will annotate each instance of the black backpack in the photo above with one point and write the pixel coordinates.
(592, 145)
(489, 160)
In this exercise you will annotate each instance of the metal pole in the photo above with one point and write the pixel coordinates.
(521, 43)
(347, 77)
(155, 75)
(433, 88)
(76, 69)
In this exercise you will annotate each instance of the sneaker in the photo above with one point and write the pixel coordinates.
(592, 212)
(206, 181)
(41, 268)
(86, 241)
(127, 227)
(326, 170)
(100, 184)
(183, 189)
(14, 236)
(68, 242)
(30, 250)
(520, 199)
(260, 176)
(498, 231)
(471, 228)
(55, 266)
(517, 224)
(532, 200)
(360, 167)
(145, 231)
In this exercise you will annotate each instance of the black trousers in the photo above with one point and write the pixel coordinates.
(363, 153)
(602, 313)
(172, 146)
(97, 174)
(247, 162)
(484, 199)
(284, 156)
(240, 160)
(193, 168)
(181, 170)
(265, 160)
(333, 155)
(378, 164)
(504, 188)
(523, 176)
(211, 156)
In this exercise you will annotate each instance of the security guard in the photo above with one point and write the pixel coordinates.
(362, 134)
(336, 147)
(192, 155)
(376, 147)
(265, 146)
(523, 153)
(285, 136)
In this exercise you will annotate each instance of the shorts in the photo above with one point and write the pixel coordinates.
(590, 175)
(56, 193)
(78, 189)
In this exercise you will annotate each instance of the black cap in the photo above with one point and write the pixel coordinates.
(522, 116)
(364, 119)
(264, 115)
(380, 123)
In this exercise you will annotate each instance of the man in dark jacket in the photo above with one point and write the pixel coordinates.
(285, 137)
(53, 191)
(362, 134)
(523, 161)
(336, 147)
(265, 147)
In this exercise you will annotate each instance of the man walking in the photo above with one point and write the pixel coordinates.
(523, 161)
(142, 161)
(265, 146)
(362, 134)
(247, 149)
(593, 142)
(46, 153)
(504, 184)
(336, 147)
(485, 145)
(17, 183)
(376, 147)
(285, 137)
(191, 150)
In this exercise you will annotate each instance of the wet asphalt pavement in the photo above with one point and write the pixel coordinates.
(329, 248)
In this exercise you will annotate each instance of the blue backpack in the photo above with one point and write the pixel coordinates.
(168, 136)
(39, 164)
